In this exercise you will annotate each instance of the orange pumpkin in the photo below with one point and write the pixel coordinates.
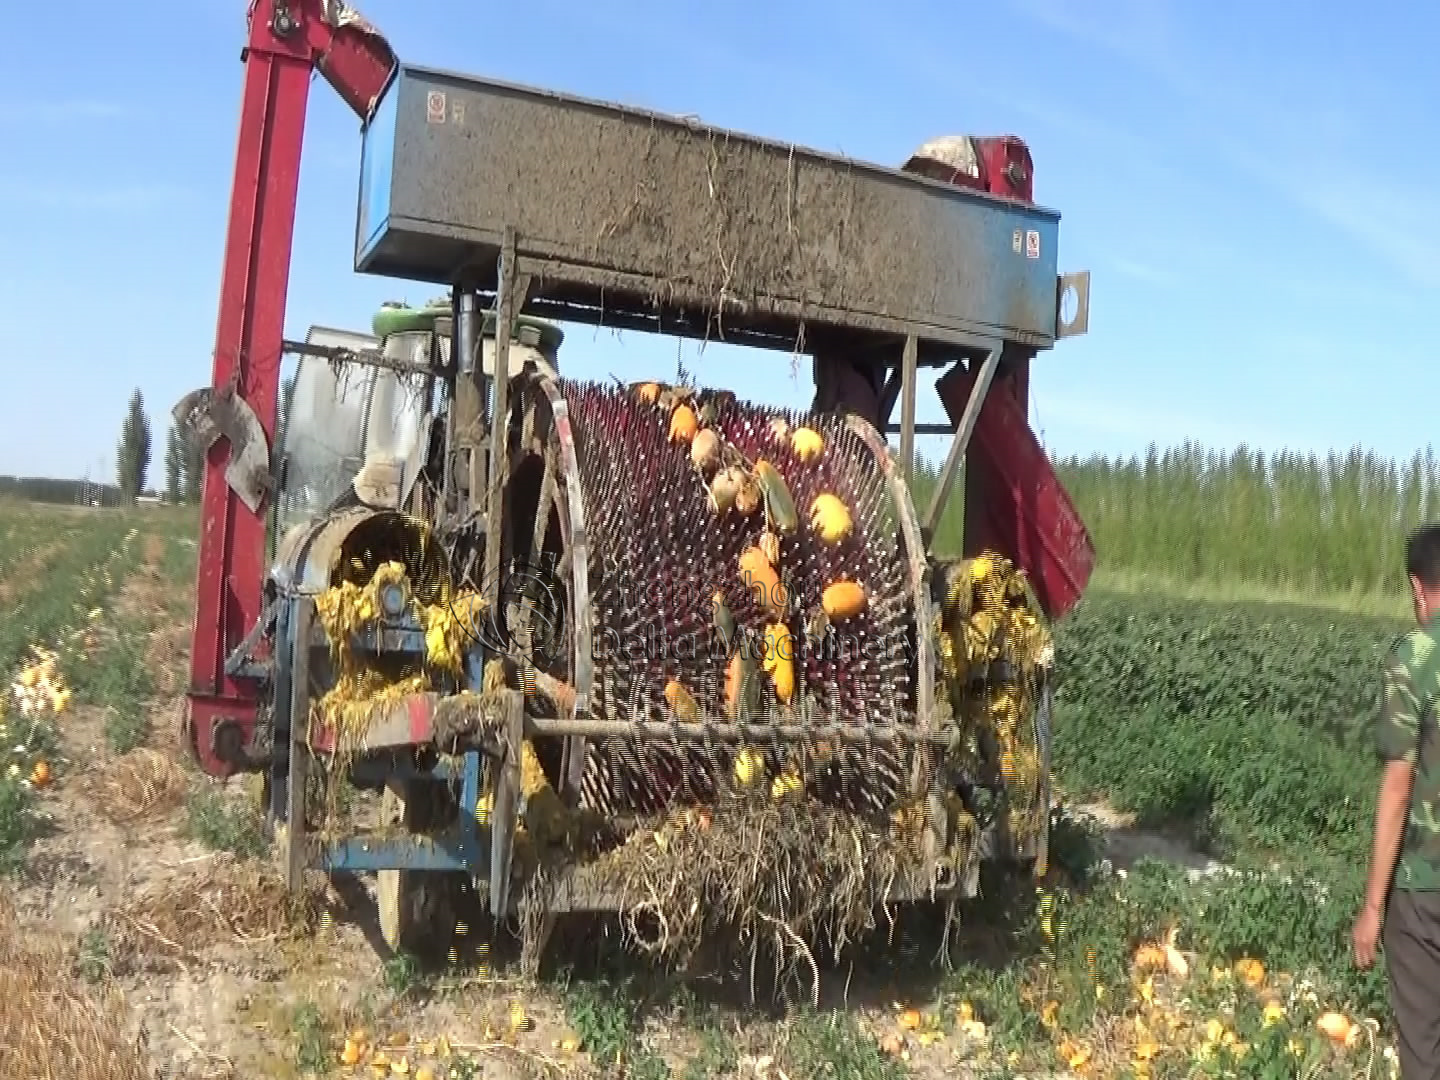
(763, 582)
(681, 700)
(683, 424)
(843, 599)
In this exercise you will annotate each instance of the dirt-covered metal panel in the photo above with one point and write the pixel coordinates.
(610, 202)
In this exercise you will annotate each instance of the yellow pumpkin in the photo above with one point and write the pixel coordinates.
(807, 443)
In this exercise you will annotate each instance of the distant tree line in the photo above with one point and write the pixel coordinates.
(184, 463)
(44, 489)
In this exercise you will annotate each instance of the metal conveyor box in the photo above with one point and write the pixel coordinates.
(619, 211)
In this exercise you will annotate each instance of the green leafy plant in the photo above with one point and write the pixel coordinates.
(1250, 724)
(312, 1040)
(18, 825)
(92, 960)
(224, 825)
(403, 973)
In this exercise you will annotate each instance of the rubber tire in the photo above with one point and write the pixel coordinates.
(395, 890)
(415, 908)
(394, 905)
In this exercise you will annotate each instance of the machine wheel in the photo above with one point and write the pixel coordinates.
(545, 603)
(392, 887)
(415, 908)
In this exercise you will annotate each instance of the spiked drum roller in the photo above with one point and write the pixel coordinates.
(726, 563)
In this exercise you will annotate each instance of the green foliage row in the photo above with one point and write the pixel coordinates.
(1249, 723)
(88, 569)
(117, 676)
(1293, 925)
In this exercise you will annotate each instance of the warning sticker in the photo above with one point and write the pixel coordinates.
(1032, 244)
(1016, 240)
(435, 107)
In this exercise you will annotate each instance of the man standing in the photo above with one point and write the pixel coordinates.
(1403, 892)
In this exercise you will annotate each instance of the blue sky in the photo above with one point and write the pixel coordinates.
(1253, 187)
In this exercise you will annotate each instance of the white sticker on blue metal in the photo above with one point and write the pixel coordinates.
(1032, 244)
(435, 106)
(1015, 240)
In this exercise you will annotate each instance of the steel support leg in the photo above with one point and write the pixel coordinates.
(295, 784)
(961, 442)
(279, 770)
(499, 420)
(506, 806)
(468, 412)
(510, 293)
(908, 377)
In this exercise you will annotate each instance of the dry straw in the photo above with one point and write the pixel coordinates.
(139, 787)
(52, 1023)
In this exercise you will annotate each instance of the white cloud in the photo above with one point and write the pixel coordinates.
(131, 198)
(1141, 30)
(1144, 272)
(56, 112)
(1302, 137)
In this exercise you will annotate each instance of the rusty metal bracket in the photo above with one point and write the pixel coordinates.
(211, 413)
(1078, 323)
(241, 662)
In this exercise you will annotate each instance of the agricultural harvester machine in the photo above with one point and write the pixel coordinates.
(650, 648)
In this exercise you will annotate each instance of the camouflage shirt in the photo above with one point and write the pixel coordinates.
(1407, 731)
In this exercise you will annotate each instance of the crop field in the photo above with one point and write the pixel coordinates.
(142, 926)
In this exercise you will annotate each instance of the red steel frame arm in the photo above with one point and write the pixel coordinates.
(288, 41)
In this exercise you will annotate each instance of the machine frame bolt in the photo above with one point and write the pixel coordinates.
(282, 23)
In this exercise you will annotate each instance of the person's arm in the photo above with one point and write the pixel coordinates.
(1397, 738)
(1390, 812)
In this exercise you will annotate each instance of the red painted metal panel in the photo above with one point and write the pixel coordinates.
(409, 721)
(250, 328)
(420, 711)
(1017, 505)
(247, 352)
(354, 59)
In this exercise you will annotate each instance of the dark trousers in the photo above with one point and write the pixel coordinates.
(1411, 939)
